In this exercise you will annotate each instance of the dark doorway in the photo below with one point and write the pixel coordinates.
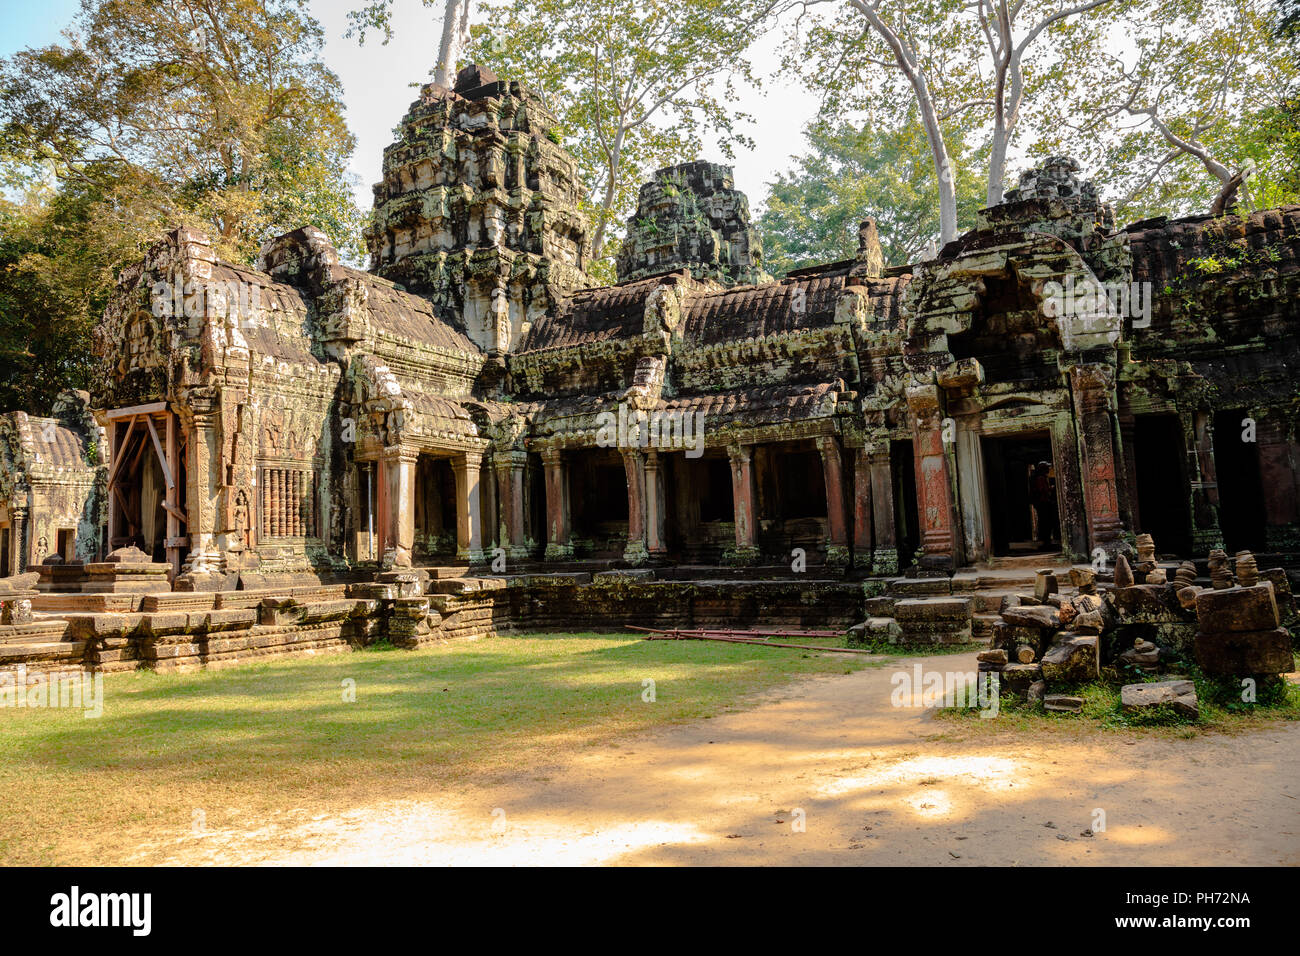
(800, 485)
(1241, 488)
(598, 502)
(907, 521)
(435, 507)
(539, 527)
(1023, 516)
(4, 551)
(711, 478)
(1163, 494)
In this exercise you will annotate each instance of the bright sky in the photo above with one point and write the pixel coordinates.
(379, 84)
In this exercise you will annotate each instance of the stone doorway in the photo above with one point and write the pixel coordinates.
(147, 483)
(1242, 513)
(598, 502)
(435, 509)
(1162, 490)
(1012, 469)
(907, 517)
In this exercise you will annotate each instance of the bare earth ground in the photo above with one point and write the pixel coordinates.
(876, 785)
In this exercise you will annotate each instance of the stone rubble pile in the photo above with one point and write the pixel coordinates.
(1047, 642)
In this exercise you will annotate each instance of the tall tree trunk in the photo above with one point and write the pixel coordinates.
(997, 163)
(455, 34)
(611, 184)
(943, 167)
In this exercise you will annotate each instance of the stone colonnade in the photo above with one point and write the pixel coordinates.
(859, 510)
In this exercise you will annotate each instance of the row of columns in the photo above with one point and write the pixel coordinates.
(396, 505)
(872, 521)
(869, 526)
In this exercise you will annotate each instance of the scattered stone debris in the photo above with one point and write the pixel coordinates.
(1063, 703)
(1178, 695)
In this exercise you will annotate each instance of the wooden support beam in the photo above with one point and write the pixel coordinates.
(119, 453)
(162, 455)
(135, 410)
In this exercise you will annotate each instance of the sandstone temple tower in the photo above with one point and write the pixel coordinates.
(478, 209)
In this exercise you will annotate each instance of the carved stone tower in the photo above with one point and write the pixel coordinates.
(692, 216)
(478, 208)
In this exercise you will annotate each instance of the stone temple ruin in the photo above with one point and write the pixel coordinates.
(473, 436)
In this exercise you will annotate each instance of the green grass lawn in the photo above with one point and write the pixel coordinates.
(259, 737)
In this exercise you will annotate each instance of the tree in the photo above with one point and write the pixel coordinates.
(219, 109)
(974, 62)
(378, 15)
(812, 212)
(215, 114)
(635, 86)
(1202, 97)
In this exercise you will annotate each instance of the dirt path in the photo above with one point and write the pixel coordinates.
(876, 785)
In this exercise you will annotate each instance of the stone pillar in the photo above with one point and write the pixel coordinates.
(19, 548)
(837, 526)
(491, 512)
(634, 464)
(558, 545)
(744, 497)
(469, 514)
(1128, 440)
(969, 462)
(655, 502)
(399, 505)
(511, 470)
(1093, 389)
(933, 483)
(203, 471)
(861, 508)
(1069, 484)
(884, 556)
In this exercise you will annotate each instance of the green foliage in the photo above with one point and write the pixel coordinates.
(636, 87)
(812, 212)
(220, 117)
(1212, 74)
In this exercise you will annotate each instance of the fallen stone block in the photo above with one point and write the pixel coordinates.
(1045, 583)
(1062, 703)
(1016, 678)
(1074, 657)
(1142, 652)
(932, 609)
(1237, 609)
(1147, 604)
(874, 629)
(1179, 695)
(1042, 616)
(1244, 652)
